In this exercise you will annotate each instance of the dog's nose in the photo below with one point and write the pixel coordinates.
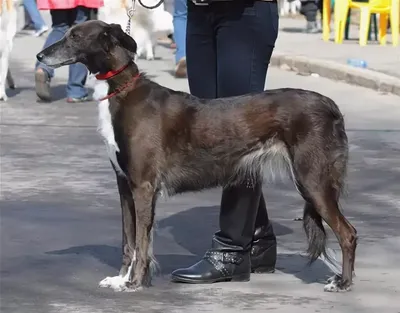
(40, 56)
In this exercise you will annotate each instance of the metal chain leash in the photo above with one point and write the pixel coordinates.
(130, 13)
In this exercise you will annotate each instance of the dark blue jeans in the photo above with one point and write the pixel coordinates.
(228, 49)
(62, 20)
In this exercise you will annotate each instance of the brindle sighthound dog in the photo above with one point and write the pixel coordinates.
(159, 139)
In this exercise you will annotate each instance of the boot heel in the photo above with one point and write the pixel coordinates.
(241, 278)
(263, 270)
(263, 261)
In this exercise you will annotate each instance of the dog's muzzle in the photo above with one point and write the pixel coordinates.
(41, 57)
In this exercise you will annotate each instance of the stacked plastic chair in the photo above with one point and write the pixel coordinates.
(387, 10)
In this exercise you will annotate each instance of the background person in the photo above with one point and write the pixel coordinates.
(64, 15)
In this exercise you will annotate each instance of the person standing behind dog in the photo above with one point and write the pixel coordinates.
(64, 15)
(228, 48)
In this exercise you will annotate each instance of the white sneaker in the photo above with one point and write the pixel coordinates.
(41, 31)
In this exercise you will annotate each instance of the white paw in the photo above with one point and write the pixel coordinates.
(117, 283)
(331, 287)
(336, 284)
(150, 57)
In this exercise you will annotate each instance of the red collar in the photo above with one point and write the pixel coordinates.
(131, 82)
(110, 74)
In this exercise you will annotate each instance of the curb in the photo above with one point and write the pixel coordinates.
(355, 76)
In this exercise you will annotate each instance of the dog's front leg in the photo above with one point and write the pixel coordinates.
(121, 282)
(145, 198)
(128, 227)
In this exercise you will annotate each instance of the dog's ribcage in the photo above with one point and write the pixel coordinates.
(227, 162)
(270, 161)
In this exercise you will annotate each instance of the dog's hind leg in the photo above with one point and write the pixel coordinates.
(320, 180)
(121, 282)
(145, 198)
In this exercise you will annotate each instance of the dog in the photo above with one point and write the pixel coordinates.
(287, 7)
(8, 29)
(161, 140)
(146, 25)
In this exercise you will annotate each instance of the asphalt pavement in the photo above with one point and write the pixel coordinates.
(61, 224)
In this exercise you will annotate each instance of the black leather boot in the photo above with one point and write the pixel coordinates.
(263, 250)
(222, 263)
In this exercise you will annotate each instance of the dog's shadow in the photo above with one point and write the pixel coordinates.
(195, 237)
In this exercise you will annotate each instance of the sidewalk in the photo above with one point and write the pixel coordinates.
(308, 53)
(304, 53)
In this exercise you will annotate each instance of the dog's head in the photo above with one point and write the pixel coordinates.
(98, 45)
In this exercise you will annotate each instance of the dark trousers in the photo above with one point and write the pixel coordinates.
(310, 9)
(228, 49)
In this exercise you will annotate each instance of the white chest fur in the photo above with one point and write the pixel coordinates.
(105, 126)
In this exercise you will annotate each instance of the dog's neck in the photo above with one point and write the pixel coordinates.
(124, 70)
(129, 72)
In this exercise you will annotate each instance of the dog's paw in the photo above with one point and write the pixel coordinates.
(337, 284)
(135, 285)
(150, 57)
(119, 284)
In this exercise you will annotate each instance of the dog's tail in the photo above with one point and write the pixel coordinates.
(315, 232)
(316, 235)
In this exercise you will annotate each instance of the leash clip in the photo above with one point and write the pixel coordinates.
(130, 12)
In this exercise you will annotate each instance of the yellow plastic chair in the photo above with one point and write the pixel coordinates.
(385, 8)
(326, 19)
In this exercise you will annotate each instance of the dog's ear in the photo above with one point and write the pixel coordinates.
(106, 39)
(123, 38)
